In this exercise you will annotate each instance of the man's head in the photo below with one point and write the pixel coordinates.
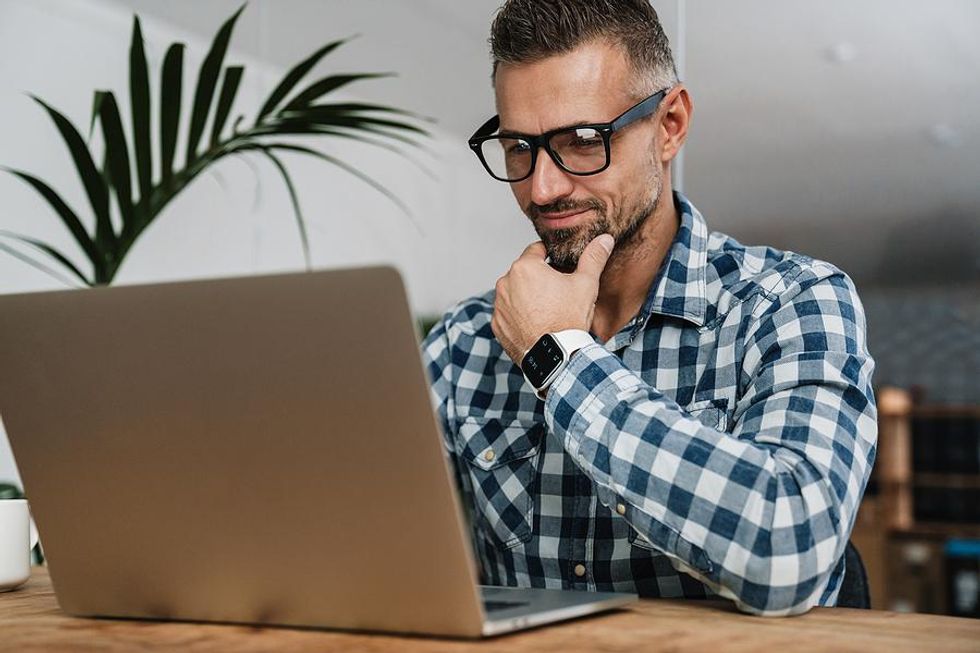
(560, 63)
(529, 30)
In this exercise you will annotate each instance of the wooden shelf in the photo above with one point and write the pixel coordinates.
(942, 479)
(945, 411)
(913, 572)
(939, 529)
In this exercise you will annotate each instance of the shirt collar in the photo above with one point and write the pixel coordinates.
(679, 289)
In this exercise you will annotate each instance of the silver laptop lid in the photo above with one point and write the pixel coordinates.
(253, 450)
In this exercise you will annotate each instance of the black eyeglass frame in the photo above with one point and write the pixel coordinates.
(641, 109)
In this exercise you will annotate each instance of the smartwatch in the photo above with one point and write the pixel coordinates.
(549, 356)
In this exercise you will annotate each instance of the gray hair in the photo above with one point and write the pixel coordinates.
(525, 31)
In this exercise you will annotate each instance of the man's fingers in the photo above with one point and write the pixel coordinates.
(595, 256)
(536, 250)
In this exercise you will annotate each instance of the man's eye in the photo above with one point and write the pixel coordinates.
(519, 147)
(586, 139)
(587, 143)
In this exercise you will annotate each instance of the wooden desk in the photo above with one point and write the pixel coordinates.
(30, 621)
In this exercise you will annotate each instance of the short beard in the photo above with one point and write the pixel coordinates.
(565, 246)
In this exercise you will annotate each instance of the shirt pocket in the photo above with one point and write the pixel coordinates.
(501, 458)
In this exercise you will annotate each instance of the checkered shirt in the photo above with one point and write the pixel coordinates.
(718, 445)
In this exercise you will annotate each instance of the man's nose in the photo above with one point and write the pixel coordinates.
(548, 181)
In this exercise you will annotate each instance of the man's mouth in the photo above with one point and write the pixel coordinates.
(562, 219)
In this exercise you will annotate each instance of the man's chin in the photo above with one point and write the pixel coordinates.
(565, 246)
(563, 264)
(564, 259)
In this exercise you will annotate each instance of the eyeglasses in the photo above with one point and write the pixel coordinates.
(579, 150)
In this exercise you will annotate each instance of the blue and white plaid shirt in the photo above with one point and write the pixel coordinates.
(719, 444)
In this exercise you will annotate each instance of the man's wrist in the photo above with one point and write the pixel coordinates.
(555, 330)
(545, 360)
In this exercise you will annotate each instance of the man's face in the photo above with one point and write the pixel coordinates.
(587, 85)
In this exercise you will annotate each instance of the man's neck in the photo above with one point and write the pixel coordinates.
(626, 280)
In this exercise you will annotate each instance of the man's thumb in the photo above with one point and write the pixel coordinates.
(593, 259)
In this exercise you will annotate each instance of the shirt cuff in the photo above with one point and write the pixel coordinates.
(571, 400)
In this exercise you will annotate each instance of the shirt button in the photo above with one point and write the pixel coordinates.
(488, 455)
(579, 570)
(620, 508)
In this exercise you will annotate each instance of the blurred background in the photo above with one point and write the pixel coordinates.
(846, 131)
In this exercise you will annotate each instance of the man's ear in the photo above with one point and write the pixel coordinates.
(675, 121)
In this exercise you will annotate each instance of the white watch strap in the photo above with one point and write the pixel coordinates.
(571, 340)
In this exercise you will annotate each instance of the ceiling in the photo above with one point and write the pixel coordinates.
(846, 130)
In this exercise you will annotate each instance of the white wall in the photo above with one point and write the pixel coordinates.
(236, 220)
(849, 131)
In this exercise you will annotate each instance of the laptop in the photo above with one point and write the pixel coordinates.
(258, 450)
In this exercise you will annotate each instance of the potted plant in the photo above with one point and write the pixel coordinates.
(291, 110)
(11, 491)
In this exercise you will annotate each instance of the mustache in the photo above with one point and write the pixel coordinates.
(534, 211)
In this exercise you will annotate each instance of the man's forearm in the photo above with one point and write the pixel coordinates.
(760, 523)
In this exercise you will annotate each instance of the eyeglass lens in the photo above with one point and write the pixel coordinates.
(579, 149)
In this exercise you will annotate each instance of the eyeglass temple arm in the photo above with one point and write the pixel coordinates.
(644, 108)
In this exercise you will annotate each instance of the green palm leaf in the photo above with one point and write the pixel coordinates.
(170, 90)
(207, 79)
(326, 85)
(47, 249)
(305, 128)
(293, 77)
(290, 147)
(96, 105)
(351, 107)
(317, 116)
(67, 215)
(303, 115)
(117, 159)
(300, 222)
(377, 142)
(233, 76)
(95, 186)
(139, 99)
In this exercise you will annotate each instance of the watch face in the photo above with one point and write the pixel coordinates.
(543, 358)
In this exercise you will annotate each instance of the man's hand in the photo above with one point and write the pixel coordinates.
(534, 299)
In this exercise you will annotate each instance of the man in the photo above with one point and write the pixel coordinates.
(694, 417)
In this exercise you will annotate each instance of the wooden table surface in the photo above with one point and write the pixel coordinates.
(30, 621)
